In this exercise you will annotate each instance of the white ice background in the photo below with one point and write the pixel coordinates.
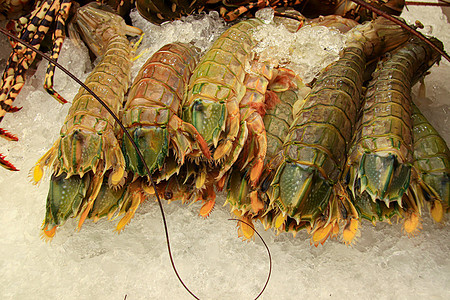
(98, 263)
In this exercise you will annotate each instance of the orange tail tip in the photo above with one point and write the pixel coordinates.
(244, 229)
(222, 150)
(84, 214)
(221, 183)
(136, 200)
(37, 173)
(207, 208)
(237, 213)
(412, 224)
(279, 221)
(148, 189)
(200, 180)
(437, 211)
(117, 177)
(47, 235)
(350, 232)
(320, 235)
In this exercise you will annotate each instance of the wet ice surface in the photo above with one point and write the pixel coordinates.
(97, 263)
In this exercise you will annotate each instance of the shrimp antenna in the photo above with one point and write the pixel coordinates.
(268, 253)
(166, 231)
(403, 25)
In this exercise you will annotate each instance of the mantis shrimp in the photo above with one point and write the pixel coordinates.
(381, 156)
(88, 146)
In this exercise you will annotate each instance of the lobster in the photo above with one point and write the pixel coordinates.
(226, 102)
(153, 105)
(381, 156)
(21, 57)
(217, 87)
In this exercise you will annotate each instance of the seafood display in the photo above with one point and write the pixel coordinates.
(276, 115)
(212, 121)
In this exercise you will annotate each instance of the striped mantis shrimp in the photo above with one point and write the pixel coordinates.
(248, 203)
(226, 102)
(153, 106)
(88, 148)
(305, 184)
(381, 156)
(151, 115)
(432, 164)
(430, 180)
(251, 203)
(217, 87)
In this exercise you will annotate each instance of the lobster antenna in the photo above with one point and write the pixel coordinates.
(403, 25)
(268, 253)
(415, 3)
(2, 30)
(166, 231)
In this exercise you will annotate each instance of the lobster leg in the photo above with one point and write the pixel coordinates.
(58, 38)
(256, 127)
(136, 194)
(20, 59)
(94, 187)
